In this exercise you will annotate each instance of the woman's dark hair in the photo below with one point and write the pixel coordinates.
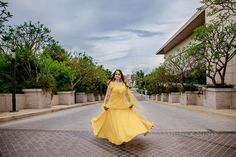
(122, 77)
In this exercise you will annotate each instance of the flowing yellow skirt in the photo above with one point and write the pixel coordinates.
(120, 125)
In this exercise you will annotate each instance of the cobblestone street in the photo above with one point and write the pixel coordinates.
(32, 143)
(177, 132)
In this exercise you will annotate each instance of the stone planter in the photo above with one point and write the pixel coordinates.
(90, 97)
(219, 98)
(81, 97)
(199, 98)
(55, 100)
(36, 98)
(6, 102)
(188, 98)
(103, 96)
(98, 98)
(153, 97)
(234, 101)
(158, 97)
(66, 97)
(174, 97)
(164, 97)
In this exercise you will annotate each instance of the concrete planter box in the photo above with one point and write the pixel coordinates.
(219, 98)
(55, 100)
(103, 96)
(90, 97)
(98, 98)
(66, 97)
(174, 97)
(158, 97)
(37, 99)
(188, 98)
(6, 102)
(164, 97)
(199, 98)
(81, 97)
(153, 97)
(234, 101)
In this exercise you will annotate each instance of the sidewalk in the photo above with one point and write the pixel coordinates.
(8, 116)
(230, 113)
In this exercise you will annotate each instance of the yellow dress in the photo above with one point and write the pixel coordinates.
(119, 123)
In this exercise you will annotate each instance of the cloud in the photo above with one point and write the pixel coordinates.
(124, 34)
(142, 33)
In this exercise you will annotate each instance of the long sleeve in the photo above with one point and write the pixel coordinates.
(130, 97)
(107, 96)
(133, 101)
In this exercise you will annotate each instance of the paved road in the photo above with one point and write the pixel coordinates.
(164, 118)
(176, 132)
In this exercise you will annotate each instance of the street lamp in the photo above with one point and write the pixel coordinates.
(13, 68)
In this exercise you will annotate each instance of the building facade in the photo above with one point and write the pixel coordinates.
(184, 36)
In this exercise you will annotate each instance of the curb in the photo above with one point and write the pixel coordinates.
(34, 112)
(189, 107)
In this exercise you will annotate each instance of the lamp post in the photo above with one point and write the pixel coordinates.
(13, 66)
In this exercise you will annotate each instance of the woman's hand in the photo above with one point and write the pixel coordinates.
(106, 108)
(131, 106)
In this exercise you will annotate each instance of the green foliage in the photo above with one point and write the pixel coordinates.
(216, 6)
(27, 68)
(27, 40)
(35, 71)
(31, 36)
(43, 63)
(215, 45)
(188, 87)
(49, 68)
(172, 88)
(138, 79)
(219, 86)
(5, 74)
(99, 80)
(63, 78)
(91, 78)
(85, 71)
(156, 81)
(56, 52)
(184, 68)
(4, 15)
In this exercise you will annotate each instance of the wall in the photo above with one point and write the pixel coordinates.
(6, 102)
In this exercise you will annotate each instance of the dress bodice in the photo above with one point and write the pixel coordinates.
(118, 96)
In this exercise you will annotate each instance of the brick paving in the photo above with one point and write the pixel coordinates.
(76, 143)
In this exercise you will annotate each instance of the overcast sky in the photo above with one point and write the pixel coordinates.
(121, 34)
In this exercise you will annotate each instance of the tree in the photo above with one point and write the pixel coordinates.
(216, 6)
(56, 52)
(5, 64)
(100, 77)
(49, 68)
(28, 41)
(31, 36)
(138, 80)
(83, 69)
(5, 74)
(182, 66)
(78, 72)
(157, 80)
(215, 43)
(4, 15)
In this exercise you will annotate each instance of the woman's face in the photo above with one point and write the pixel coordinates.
(117, 75)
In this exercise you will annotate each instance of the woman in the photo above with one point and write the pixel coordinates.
(118, 122)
